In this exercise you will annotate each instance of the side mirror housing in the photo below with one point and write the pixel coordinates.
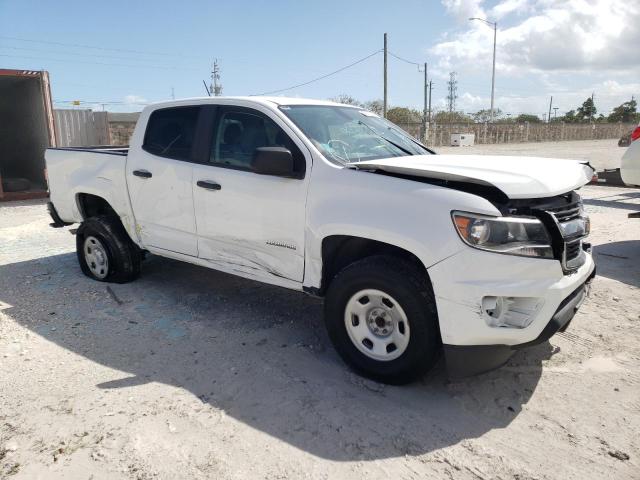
(276, 161)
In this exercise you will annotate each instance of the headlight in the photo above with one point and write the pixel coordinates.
(516, 236)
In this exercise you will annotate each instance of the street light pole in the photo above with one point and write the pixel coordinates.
(493, 74)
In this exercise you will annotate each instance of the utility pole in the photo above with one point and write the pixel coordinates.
(425, 123)
(384, 102)
(493, 74)
(550, 103)
(216, 86)
(593, 106)
(555, 112)
(452, 85)
(430, 87)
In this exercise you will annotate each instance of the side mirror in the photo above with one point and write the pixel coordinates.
(277, 161)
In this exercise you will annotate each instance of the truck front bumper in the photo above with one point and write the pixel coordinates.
(473, 342)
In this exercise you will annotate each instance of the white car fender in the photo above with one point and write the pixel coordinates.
(383, 208)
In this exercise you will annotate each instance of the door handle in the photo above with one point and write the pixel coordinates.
(208, 184)
(142, 173)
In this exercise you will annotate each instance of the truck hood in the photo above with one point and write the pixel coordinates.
(516, 177)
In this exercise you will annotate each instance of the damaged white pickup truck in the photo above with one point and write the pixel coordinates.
(414, 252)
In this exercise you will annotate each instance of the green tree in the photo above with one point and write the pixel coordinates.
(525, 117)
(483, 116)
(452, 117)
(587, 111)
(400, 115)
(375, 106)
(569, 117)
(626, 112)
(346, 99)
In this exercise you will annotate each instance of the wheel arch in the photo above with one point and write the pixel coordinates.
(90, 205)
(338, 251)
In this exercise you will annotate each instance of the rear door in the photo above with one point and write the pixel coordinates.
(160, 178)
(248, 223)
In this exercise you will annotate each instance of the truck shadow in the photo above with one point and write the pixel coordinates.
(615, 258)
(260, 354)
(619, 200)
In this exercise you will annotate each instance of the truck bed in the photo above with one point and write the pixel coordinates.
(109, 149)
(96, 171)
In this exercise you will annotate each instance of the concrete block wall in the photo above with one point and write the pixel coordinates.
(120, 132)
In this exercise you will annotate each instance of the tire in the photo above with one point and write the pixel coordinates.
(15, 184)
(405, 286)
(105, 251)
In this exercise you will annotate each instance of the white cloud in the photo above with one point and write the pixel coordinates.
(461, 10)
(134, 99)
(509, 6)
(553, 44)
(571, 35)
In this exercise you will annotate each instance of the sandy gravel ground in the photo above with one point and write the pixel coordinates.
(190, 373)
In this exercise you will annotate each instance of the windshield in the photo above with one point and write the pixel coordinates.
(347, 134)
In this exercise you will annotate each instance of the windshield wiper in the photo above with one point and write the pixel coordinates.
(385, 138)
(416, 142)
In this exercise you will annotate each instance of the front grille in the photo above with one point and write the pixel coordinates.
(565, 212)
(572, 250)
(553, 212)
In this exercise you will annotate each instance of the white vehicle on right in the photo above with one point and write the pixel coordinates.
(630, 164)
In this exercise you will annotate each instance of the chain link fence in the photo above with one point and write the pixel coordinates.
(439, 134)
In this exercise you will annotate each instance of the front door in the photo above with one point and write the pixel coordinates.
(248, 223)
(160, 179)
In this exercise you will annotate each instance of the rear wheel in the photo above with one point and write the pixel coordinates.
(381, 317)
(105, 251)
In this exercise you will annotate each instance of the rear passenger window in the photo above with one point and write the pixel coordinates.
(170, 132)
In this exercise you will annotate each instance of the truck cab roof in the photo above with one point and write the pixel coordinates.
(257, 99)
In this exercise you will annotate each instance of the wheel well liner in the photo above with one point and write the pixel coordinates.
(338, 251)
(93, 205)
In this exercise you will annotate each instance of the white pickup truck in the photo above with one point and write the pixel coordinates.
(414, 253)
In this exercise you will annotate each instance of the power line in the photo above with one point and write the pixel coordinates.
(96, 63)
(124, 50)
(112, 88)
(101, 102)
(55, 52)
(321, 77)
(404, 59)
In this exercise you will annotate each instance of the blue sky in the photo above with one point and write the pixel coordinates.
(565, 48)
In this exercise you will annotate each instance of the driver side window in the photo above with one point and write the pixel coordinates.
(240, 131)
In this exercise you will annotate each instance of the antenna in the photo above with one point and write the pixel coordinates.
(206, 88)
(216, 86)
(453, 91)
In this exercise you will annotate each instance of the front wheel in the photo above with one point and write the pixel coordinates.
(381, 317)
